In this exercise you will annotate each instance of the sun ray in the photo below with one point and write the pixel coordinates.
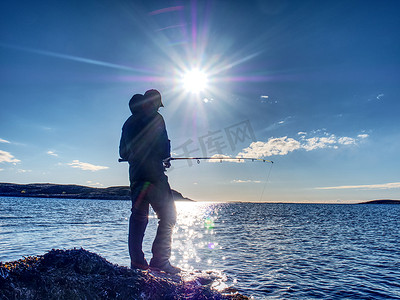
(75, 58)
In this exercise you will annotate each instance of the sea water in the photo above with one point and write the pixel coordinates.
(266, 251)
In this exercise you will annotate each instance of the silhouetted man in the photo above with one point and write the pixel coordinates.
(145, 145)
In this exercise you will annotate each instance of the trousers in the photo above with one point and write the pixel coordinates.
(156, 193)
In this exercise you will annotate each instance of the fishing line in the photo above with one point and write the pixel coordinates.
(266, 182)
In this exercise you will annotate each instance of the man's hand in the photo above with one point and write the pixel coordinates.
(167, 162)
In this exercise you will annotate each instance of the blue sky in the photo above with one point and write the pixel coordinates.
(311, 85)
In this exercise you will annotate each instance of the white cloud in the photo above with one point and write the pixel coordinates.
(245, 181)
(264, 97)
(363, 136)
(274, 146)
(318, 142)
(301, 133)
(346, 140)
(380, 96)
(1, 170)
(52, 153)
(7, 157)
(86, 166)
(4, 141)
(390, 185)
(285, 145)
(23, 171)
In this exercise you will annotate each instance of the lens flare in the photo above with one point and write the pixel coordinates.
(195, 81)
(209, 223)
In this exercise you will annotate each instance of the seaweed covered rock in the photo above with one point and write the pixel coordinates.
(79, 274)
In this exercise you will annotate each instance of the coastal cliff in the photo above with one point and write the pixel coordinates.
(71, 191)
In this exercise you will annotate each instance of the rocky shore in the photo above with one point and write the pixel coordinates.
(79, 274)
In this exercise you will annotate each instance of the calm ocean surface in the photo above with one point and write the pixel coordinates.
(268, 251)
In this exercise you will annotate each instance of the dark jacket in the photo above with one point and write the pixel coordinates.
(145, 144)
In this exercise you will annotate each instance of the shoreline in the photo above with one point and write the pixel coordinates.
(71, 191)
(107, 198)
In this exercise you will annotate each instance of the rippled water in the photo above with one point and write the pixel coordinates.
(268, 251)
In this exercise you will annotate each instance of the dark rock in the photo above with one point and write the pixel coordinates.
(382, 201)
(79, 274)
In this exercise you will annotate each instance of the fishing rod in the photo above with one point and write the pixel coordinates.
(221, 159)
(212, 158)
(229, 158)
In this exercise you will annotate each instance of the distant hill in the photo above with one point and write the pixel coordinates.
(71, 191)
(382, 201)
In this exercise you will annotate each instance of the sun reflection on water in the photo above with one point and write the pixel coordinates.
(194, 238)
(195, 243)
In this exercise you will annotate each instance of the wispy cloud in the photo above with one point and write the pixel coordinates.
(4, 141)
(380, 96)
(285, 145)
(7, 157)
(277, 124)
(268, 99)
(382, 186)
(91, 183)
(165, 10)
(23, 171)
(86, 166)
(52, 153)
(245, 181)
(285, 120)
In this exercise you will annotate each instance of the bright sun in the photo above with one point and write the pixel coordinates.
(194, 81)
